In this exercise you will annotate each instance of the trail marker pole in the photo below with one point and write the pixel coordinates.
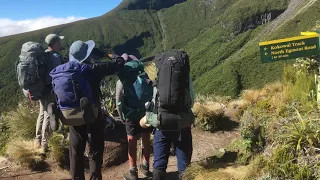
(317, 77)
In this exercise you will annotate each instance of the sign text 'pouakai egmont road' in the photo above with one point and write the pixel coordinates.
(290, 48)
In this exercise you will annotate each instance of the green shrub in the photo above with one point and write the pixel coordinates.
(109, 100)
(252, 128)
(4, 135)
(242, 146)
(256, 167)
(301, 133)
(283, 164)
(301, 85)
(59, 150)
(192, 171)
(22, 121)
(18, 124)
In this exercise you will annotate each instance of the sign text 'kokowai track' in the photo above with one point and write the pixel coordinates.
(290, 48)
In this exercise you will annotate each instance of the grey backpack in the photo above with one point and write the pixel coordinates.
(31, 70)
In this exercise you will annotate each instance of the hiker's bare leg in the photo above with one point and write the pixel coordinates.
(132, 150)
(146, 147)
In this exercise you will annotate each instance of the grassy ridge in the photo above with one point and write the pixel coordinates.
(212, 32)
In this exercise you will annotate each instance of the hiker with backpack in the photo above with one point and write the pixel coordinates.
(76, 85)
(33, 76)
(53, 60)
(170, 112)
(133, 90)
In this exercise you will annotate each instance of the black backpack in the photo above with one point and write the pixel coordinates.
(172, 84)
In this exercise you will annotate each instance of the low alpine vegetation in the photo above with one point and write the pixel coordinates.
(279, 126)
(26, 155)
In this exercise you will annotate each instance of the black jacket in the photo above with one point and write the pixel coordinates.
(99, 72)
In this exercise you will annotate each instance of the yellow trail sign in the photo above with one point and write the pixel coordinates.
(308, 33)
(289, 48)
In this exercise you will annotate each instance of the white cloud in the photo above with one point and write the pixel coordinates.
(10, 27)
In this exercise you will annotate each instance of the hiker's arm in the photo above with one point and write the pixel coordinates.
(119, 88)
(108, 68)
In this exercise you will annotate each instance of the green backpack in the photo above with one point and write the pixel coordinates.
(31, 69)
(137, 90)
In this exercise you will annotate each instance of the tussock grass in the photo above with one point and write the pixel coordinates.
(207, 116)
(269, 91)
(238, 104)
(18, 123)
(22, 121)
(212, 99)
(221, 172)
(301, 134)
(192, 171)
(253, 96)
(26, 155)
(59, 150)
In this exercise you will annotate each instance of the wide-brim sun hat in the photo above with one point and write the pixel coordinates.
(80, 51)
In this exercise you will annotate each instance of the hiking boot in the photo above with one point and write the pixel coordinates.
(132, 175)
(53, 117)
(145, 171)
(159, 174)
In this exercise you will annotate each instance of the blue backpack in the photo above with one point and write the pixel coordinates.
(137, 90)
(71, 85)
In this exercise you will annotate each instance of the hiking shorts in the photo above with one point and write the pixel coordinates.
(134, 128)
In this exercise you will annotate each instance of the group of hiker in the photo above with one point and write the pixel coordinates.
(69, 92)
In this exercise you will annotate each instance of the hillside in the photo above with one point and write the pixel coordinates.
(220, 36)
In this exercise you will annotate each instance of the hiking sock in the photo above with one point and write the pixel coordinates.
(133, 169)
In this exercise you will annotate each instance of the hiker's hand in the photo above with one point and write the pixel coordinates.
(119, 60)
(119, 120)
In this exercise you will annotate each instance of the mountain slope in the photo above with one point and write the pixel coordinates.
(220, 36)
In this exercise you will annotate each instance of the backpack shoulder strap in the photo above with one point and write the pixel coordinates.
(155, 100)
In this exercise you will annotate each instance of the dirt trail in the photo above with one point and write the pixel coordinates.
(204, 145)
